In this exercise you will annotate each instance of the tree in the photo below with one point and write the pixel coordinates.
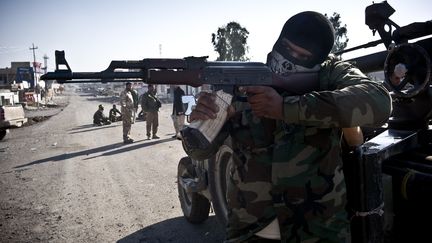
(230, 42)
(341, 38)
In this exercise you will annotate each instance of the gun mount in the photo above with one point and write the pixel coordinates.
(389, 177)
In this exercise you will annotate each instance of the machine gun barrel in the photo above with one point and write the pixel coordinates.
(375, 61)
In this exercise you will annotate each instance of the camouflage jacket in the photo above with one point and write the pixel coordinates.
(291, 169)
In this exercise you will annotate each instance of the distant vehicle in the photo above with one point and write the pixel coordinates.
(11, 116)
(104, 92)
(11, 113)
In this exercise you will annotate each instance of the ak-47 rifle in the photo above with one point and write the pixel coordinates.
(192, 71)
(225, 77)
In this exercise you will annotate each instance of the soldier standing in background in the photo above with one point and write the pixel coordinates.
(127, 110)
(151, 104)
(178, 113)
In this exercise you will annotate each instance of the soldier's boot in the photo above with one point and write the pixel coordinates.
(127, 140)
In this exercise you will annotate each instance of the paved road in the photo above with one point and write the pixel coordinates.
(64, 180)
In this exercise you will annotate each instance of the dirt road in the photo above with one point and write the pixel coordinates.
(64, 180)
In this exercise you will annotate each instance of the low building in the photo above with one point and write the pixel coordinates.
(18, 72)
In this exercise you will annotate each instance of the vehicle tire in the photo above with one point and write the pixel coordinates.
(195, 206)
(219, 172)
(2, 134)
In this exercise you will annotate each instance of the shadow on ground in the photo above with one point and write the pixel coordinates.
(106, 150)
(178, 230)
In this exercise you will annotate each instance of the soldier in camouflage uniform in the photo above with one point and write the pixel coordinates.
(127, 110)
(150, 105)
(286, 149)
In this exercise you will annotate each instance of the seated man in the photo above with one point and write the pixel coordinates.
(113, 114)
(99, 118)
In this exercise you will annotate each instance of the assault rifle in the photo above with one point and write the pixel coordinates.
(192, 71)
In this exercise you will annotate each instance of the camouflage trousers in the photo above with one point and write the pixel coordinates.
(127, 122)
(254, 200)
(250, 206)
(152, 123)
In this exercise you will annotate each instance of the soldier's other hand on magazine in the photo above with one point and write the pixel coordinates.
(205, 108)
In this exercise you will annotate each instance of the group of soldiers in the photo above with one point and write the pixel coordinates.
(129, 101)
(99, 118)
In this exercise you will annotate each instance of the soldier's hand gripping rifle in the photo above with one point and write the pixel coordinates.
(224, 77)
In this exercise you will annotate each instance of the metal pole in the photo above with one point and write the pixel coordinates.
(33, 48)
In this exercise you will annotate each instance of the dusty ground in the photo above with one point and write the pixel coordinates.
(64, 180)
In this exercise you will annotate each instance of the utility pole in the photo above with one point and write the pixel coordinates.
(33, 48)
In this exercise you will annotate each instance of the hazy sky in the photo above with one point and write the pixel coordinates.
(93, 33)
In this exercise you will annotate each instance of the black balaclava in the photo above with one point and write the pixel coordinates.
(311, 31)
